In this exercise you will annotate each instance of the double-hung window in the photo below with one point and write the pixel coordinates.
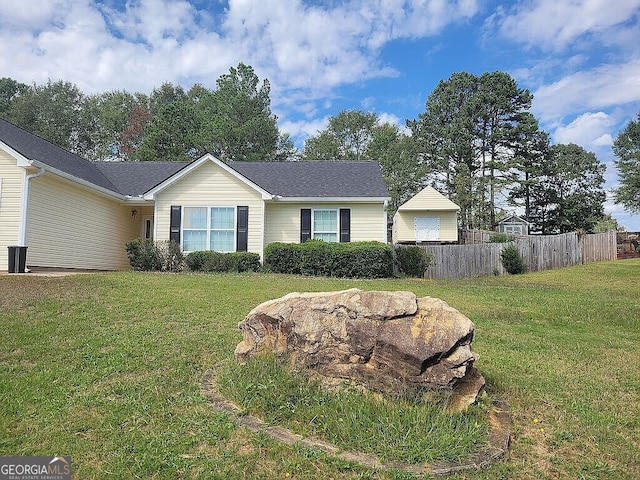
(209, 228)
(223, 229)
(328, 224)
(325, 225)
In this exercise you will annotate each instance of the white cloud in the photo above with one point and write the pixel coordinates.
(553, 24)
(598, 88)
(591, 130)
(296, 45)
(385, 117)
(20, 14)
(303, 129)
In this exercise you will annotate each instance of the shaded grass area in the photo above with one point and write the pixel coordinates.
(106, 368)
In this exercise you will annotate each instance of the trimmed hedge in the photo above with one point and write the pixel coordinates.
(209, 261)
(318, 258)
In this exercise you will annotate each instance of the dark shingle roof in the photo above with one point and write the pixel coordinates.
(35, 148)
(136, 178)
(288, 179)
(315, 179)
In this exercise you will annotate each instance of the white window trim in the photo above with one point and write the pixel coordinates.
(208, 227)
(516, 228)
(145, 219)
(313, 217)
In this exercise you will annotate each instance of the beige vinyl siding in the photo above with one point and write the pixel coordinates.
(368, 221)
(428, 199)
(404, 225)
(70, 226)
(211, 186)
(11, 178)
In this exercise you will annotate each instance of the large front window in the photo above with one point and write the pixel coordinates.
(208, 228)
(325, 225)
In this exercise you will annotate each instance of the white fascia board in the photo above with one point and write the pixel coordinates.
(150, 195)
(137, 201)
(429, 209)
(332, 199)
(21, 160)
(84, 183)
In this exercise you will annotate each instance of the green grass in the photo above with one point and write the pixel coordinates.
(404, 428)
(106, 368)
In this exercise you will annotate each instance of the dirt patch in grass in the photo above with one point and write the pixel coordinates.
(19, 291)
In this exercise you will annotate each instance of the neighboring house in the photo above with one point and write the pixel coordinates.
(513, 225)
(428, 216)
(73, 213)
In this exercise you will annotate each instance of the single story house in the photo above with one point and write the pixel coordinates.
(428, 216)
(70, 212)
(513, 225)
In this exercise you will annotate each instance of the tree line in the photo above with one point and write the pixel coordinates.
(477, 141)
(233, 121)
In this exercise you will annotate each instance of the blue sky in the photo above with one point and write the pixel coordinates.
(580, 58)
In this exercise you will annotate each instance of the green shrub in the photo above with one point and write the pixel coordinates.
(147, 255)
(144, 255)
(412, 260)
(196, 261)
(282, 258)
(362, 259)
(512, 260)
(245, 261)
(315, 257)
(218, 262)
(210, 261)
(171, 256)
(500, 237)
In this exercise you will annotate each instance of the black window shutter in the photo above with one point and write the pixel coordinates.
(345, 224)
(176, 220)
(305, 224)
(242, 229)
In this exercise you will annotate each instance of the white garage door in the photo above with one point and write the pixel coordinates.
(427, 229)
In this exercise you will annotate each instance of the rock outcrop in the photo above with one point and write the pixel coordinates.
(381, 340)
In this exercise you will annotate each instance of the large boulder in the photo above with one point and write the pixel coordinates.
(381, 340)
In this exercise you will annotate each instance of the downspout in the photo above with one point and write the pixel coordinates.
(386, 223)
(22, 239)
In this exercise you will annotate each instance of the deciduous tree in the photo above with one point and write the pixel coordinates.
(627, 148)
(10, 90)
(54, 112)
(347, 137)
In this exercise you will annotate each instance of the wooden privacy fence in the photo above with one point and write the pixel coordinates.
(539, 252)
(599, 247)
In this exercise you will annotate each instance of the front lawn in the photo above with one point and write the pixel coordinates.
(106, 368)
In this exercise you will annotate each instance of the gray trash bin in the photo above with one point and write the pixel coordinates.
(17, 259)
